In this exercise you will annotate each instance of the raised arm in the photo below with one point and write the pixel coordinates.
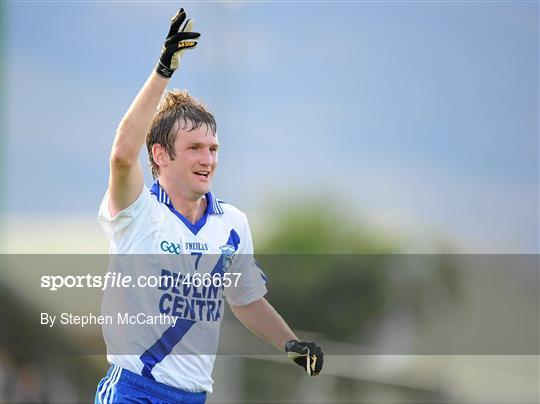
(126, 175)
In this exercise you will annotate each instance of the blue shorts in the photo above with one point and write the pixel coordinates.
(122, 386)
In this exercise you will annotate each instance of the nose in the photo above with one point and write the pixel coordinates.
(205, 158)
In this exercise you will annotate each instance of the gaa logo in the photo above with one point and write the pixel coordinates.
(167, 246)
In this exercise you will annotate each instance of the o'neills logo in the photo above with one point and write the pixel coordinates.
(196, 246)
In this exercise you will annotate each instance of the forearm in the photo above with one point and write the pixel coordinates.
(131, 133)
(263, 320)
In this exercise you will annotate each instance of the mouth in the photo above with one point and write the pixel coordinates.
(202, 174)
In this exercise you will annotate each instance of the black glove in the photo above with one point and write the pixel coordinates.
(305, 354)
(178, 40)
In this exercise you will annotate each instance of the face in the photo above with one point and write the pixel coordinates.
(196, 156)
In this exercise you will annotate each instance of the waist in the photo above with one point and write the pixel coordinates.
(155, 388)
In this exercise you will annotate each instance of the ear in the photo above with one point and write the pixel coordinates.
(159, 154)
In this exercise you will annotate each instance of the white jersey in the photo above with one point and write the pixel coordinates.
(180, 355)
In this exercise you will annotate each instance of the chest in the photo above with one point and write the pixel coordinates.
(164, 233)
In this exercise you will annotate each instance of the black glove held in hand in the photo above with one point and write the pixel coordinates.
(305, 354)
(178, 40)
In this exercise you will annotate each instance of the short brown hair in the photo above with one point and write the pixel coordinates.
(176, 106)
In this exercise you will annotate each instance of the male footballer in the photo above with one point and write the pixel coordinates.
(180, 217)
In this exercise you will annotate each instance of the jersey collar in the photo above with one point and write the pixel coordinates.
(213, 206)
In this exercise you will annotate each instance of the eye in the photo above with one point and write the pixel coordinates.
(194, 147)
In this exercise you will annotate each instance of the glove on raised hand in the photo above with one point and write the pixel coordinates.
(179, 39)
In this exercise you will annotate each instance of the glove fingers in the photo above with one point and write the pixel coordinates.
(314, 360)
(316, 369)
(182, 46)
(181, 36)
(176, 22)
(188, 26)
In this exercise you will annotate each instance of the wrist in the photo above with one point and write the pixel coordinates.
(289, 344)
(164, 71)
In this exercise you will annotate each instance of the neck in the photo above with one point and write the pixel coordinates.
(192, 207)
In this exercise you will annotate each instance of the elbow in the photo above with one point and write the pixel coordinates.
(126, 148)
(125, 152)
(123, 157)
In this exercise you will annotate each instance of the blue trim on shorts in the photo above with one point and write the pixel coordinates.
(121, 386)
